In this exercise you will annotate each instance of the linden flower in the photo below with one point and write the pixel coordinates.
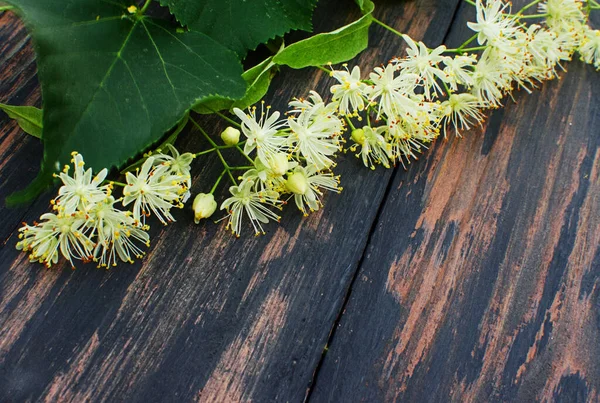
(317, 129)
(55, 233)
(461, 110)
(306, 184)
(393, 93)
(262, 132)
(492, 24)
(178, 164)
(350, 92)
(254, 204)
(562, 15)
(373, 147)
(155, 190)
(117, 233)
(459, 70)
(590, 48)
(546, 52)
(407, 139)
(489, 80)
(424, 63)
(81, 189)
(315, 135)
(270, 177)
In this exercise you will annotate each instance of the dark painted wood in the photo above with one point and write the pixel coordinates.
(204, 316)
(481, 281)
(19, 152)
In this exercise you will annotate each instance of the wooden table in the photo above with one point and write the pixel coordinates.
(471, 276)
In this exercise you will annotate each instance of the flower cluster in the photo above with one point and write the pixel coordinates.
(388, 118)
(290, 157)
(86, 223)
(411, 100)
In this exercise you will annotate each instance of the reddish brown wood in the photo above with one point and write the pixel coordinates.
(205, 316)
(481, 281)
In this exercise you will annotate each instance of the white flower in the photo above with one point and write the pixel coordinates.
(492, 24)
(178, 165)
(546, 52)
(373, 147)
(461, 110)
(393, 93)
(424, 63)
(459, 70)
(245, 200)
(590, 47)
(306, 185)
(350, 92)
(489, 79)
(269, 177)
(155, 190)
(81, 190)
(56, 233)
(315, 135)
(117, 234)
(262, 132)
(407, 138)
(563, 15)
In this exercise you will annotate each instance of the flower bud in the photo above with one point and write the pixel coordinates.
(358, 135)
(297, 183)
(230, 136)
(279, 164)
(204, 206)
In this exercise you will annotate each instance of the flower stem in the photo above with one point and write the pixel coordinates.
(242, 168)
(244, 154)
(471, 39)
(217, 182)
(229, 120)
(470, 2)
(323, 69)
(145, 6)
(387, 27)
(350, 122)
(6, 8)
(217, 150)
(533, 3)
(523, 17)
(465, 50)
(118, 183)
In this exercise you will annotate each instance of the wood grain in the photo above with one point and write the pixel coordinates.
(204, 316)
(19, 152)
(481, 281)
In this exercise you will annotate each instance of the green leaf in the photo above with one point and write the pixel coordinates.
(113, 83)
(28, 117)
(243, 24)
(366, 6)
(331, 47)
(169, 140)
(258, 79)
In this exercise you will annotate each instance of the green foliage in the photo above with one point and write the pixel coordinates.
(113, 83)
(162, 147)
(258, 79)
(28, 117)
(243, 24)
(366, 6)
(331, 47)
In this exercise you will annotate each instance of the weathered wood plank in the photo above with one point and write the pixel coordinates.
(482, 279)
(204, 316)
(18, 86)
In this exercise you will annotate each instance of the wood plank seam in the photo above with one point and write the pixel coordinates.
(397, 170)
